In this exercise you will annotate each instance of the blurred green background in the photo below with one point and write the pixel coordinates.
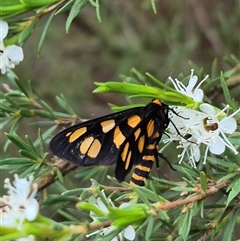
(130, 35)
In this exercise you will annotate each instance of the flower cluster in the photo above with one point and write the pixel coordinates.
(205, 126)
(19, 205)
(127, 234)
(10, 55)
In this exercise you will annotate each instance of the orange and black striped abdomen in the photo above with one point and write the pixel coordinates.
(149, 155)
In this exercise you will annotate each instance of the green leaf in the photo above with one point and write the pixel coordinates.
(44, 114)
(26, 112)
(31, 146)
(234, 191)
(75, 10)
(229, 230)
(149, 229)
(90, 207)
(140, 191)
(63, 102)
(225, 89)
(203, 181)
(21, 87)
(221, 162)
(182, 189)
(228, 177)
(59, 176)
(4, 123)
(12, 3)
(35, 4)
(28, 154)
(186, 224)
(74, 192)
(12, 102)
(27, 31)
(12, 8)
(14, 161)
(40, 141)
(170, 97)
(97, 7)
(28, 171)
(154, 6)
(44, 32)
(65, 7)
(214, 73)
(14, 138)
(44, 136)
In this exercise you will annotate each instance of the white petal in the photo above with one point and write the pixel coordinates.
(195, 153)
(101, 205)
(198, 95)
(4, 63)
(29, 238)
(124, 205)
(14, 53)
(228, 125)
(3, 29)
(115, 239)
(31, 211)
(217, 147)
(192, 82)
(129, 233)
(206, 108)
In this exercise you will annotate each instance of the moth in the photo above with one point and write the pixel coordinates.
(127, 138)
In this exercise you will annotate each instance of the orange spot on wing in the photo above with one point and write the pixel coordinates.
(94, 148)
(107, 125)
(137, 133)
(125, 152)
(76, 134)
(133, 121)
(118, 137)
(86, 144)
(128, 160)
(141, 143)
(150, 128)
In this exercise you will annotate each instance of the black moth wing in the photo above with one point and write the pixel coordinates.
(108, 154)
(157, 113)
(113, 137)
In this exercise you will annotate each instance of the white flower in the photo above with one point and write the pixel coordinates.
(195, 93)
(29, 238)
(213, 131)
(10, 55)
(193, 128)
(128, 233)
(182, 129)
(20, 203)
